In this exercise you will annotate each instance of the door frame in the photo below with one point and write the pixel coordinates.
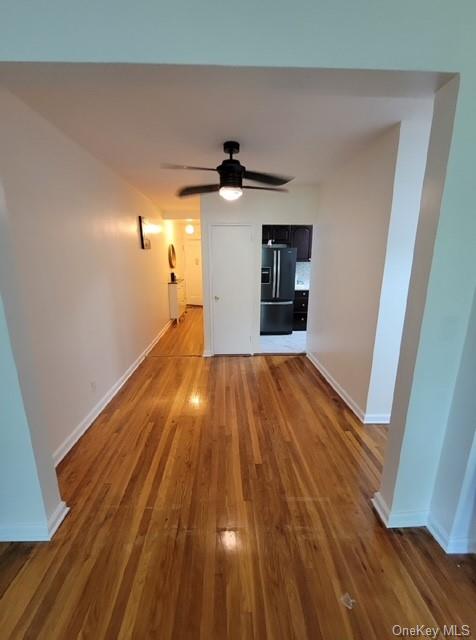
(207, 230)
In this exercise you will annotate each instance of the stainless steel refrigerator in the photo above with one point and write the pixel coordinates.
(278, 271)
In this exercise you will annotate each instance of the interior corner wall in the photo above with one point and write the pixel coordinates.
(453, 506)
(462, 537)
(407, 192)
(23, 513)
(428, 367)
(83, 301)
(349, 250)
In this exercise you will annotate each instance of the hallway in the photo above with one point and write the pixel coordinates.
(183, 339)
(227, 497)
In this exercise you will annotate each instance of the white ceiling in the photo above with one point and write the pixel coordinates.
(291, 121)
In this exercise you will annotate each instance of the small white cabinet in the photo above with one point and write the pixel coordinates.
(177, 299)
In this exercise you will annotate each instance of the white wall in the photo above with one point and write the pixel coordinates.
(299, 206)
(407, 191)
(349, 247)
(83, 301)
(462, 535)
(417, 426)
(453, 506)
(23, 514)
(364, 240)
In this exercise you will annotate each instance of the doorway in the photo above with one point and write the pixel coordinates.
(285, 285)
(186, 335)
(193, 266)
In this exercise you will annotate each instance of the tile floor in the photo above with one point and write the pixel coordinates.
(292, 343)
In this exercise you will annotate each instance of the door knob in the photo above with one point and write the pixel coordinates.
(216, 297)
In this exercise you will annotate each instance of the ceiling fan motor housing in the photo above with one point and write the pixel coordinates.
(231, 173)
(231, 147)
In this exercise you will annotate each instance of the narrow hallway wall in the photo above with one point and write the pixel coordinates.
(92, 300)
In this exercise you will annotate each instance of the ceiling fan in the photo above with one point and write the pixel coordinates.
(231, 173)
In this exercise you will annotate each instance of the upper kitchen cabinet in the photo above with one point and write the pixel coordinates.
(277, 233)
(267, 233)
(298, 236)
(301, 239)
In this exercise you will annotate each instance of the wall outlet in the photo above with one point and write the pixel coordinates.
(92, 384)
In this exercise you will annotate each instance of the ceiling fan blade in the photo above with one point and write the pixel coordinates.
(167, 165)
(266, 178)
(245, 186)
(199, 188)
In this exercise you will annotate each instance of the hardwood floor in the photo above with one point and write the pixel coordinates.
(183, 339)
(227, 498)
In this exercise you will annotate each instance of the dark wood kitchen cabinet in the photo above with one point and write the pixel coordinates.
(301, 239)
(301, 300)
(277, 233)
(298, 236)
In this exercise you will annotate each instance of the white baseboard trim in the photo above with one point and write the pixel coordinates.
(403, 519)
(350, 402)
(438, 532)
(380, 507)
(207, 354)
(461, 545)
(25, 532)
(365, 418)
(377, 418)
(87, 421)
(397, 520)
(57, 517)
(148, 349)
(422, 519)
(448, 543)
(35, 531)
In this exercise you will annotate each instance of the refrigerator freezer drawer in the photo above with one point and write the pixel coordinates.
(276, 318)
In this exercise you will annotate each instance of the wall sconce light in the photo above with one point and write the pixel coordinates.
(190, 229)
(146, 229)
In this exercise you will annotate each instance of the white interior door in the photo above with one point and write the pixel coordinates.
(233, 272)
(193, 271)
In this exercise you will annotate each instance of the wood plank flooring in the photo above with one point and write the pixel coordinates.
(183, 339)
(221, 498)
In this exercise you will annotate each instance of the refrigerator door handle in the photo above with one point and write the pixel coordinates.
(274, 274)
(279, 275)
(278, 303)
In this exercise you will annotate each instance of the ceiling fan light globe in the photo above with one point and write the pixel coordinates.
(231, 193)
